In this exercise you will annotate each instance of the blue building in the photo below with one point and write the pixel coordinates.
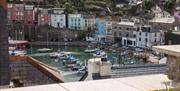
(100, 30)
(75, 22)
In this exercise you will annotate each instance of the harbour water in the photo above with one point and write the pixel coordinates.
(68, 74)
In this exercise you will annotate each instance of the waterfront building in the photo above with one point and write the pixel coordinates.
(108, 27)
(75, 22)
(124, 32)
(100, 30)
(29, 12)
(57, 18)
(43, 17)
(147, 36)
(89, 21)
(9, 13)
(16, 20)
(15, 12)
(162, 19)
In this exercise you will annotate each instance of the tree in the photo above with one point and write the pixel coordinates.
(148, 4)
(4, 54)
(169, 5)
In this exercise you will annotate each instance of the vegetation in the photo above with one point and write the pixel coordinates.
(148, 4)
(169, 5)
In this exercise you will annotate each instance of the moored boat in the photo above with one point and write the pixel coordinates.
(70, 61)
(91, 50)
(100, 54)
(45, 50)
(17, 52)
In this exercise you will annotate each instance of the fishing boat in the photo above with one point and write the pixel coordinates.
(77, 67)
(57, 55)
(91, 50)
(12, 48)
(54, 55)
(100, 54)
(44, 50)
(62, 55)
(82, 70)
(17, 52)
(70, 61)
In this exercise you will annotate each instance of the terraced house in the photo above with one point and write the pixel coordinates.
(75, 22)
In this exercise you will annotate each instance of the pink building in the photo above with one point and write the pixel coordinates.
(43, 17)
(29, 15)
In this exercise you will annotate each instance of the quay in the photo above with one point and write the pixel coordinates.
(77, 43)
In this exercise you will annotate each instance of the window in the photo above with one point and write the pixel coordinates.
(127, 28)
(115, 33)
(115, 27)
(139, 33)
(146, 40)
(155, 34)
(146, 34)
(119, 33)
(79, 19)
(134, 35)
(127, 35)
(79, 24)
(75, 20)
(138, 29)
(155, 40)
(58, 24)
(119, 27)
(139, 39)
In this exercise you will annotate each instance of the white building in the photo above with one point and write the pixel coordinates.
(57, 18)
(89, 22)
(124, 32)
(146, 36)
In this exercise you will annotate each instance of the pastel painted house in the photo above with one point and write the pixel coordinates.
(100, 30)
(57, 18)
(75, 22)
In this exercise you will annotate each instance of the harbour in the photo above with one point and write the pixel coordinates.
(80, 53)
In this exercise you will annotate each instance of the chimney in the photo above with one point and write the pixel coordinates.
(98, 68)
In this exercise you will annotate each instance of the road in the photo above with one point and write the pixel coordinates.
(136, 70)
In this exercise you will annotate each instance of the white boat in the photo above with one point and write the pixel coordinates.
(82, 70)
(59, 55)
(17, 52)
(44, 50)
(12, 48)
(54, 55)
(63, 56)
(91, 50)
(100, 54)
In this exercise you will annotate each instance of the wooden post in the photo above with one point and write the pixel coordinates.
(4, 54)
